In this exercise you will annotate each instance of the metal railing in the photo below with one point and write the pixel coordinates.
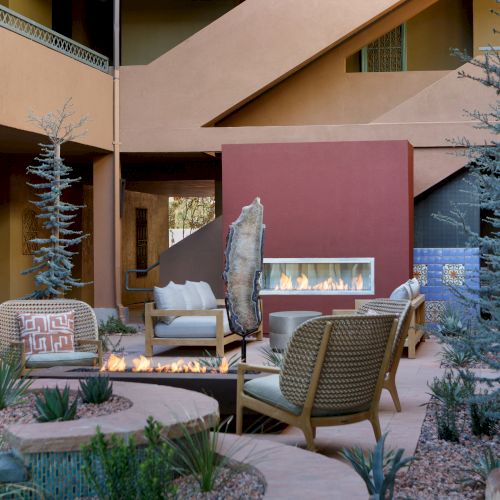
(141, 271)
(30, 29)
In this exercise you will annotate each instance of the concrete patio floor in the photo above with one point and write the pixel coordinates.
(403, 428)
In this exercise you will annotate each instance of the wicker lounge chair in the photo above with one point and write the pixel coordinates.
(332, 374)
(88, 350)
(403, 310)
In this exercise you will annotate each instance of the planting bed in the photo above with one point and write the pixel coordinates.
(441, 466)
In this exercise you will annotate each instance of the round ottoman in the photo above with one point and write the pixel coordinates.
(283, 323)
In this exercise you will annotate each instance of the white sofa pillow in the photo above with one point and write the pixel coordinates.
(172, 296)
(193, 295)
(207, 296)
(402, 292)
(414, 287)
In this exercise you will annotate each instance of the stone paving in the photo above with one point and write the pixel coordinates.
(403, 428)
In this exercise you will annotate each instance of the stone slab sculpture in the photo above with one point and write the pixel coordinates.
(242, 270)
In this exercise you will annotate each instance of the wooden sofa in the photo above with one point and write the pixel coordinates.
(187, 333)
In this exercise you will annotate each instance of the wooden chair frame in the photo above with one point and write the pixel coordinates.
(219, 341)
(305, 421)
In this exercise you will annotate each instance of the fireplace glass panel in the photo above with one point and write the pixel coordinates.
(318, 276)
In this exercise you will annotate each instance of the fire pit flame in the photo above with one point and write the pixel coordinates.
(142, 364)
(302, 283)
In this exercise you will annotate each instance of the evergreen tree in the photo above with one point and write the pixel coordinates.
(483, 166)
(52, 264)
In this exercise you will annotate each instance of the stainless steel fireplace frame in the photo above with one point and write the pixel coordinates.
(322, 260)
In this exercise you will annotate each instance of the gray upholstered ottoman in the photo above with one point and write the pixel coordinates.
(282, 324)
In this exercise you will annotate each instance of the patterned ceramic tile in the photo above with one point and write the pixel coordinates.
(420, 272)
(454, 274)
(434, 309)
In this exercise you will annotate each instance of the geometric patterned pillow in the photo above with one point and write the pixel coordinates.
(44, 333)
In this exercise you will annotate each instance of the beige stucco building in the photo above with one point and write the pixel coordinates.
(194, 75)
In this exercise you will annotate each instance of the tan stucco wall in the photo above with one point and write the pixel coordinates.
(431, 35)
(484, 22)
(38, 10)
(157, 206)
(41, 79)
(152, 27)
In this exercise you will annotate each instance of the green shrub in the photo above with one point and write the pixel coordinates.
(456, 357)
(12, 387)
(116, 469)
(96, 390)
(272, 357)
(377, 468)
(483, 423)
(451, 324)
(482, 468)
(115, 325)
(54, 405)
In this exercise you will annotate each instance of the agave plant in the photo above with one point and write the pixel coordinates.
(272, 357)
(214, 362)
(54, 406)
(377, 468)
(12, 386)
(481, 470)
(96, 390)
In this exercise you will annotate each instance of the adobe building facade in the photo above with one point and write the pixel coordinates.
(192, 76)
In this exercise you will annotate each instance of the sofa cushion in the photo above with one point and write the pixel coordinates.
(207, 295)
(414, 287)
(190, 327)
(44, 333)
(267, 389)
(402, 292)
(194, 297)
(60, 359)
(172, 296)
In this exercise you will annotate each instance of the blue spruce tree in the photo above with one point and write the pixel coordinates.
(52, 261)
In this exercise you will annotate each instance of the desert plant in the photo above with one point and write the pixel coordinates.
(214, 362)
(456, 357)
(482, 417)
(53, 405)
(9, 491)
(377, 468)
(96, 390)
(272, 357)
(52, 264)
(116, 469)
(480, 471)
(110, 466)
(12, 386)
(451, 324)
(450, 394)
(196, 454)
(115, 325)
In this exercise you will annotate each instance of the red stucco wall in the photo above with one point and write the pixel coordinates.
(329, 199)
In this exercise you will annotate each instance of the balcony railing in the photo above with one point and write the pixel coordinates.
(30, 29)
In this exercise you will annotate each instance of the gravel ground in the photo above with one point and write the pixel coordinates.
(233, 483)
(441, 465)
(24, 413)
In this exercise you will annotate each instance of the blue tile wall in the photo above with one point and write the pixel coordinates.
(437, 268)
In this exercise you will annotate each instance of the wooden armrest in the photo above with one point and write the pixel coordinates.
(244, 367)
(221, 302)
(95, 342)
(341, 312)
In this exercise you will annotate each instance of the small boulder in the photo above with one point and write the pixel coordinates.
(12, 469)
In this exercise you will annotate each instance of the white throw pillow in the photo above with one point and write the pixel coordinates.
(402, 292)
(414, 287)
(194, 297)
(172, 296)
(207, 296)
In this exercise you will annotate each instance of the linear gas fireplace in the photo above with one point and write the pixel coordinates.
(318, 276)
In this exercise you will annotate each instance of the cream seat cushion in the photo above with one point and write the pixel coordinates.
(190, 327)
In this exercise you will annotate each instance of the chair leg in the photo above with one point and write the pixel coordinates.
(390, 385)
(376, 426)
(309, 434)
(239, 418)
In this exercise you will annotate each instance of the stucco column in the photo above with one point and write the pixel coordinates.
(104, 235)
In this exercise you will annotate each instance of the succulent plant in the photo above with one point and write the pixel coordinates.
(377, 468)
(96, 390)
(53, 405)
(12, 386)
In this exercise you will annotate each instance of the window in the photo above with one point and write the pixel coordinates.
(387, 53)
(141, 239)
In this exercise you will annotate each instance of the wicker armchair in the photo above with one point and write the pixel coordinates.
(403, 310)
(332, 374)
(88, 349)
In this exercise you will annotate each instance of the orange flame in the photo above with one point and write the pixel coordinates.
(114, 364)
(286, 283)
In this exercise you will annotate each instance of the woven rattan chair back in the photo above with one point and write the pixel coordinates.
(352, 363)
(85, 320)
(400, 308)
